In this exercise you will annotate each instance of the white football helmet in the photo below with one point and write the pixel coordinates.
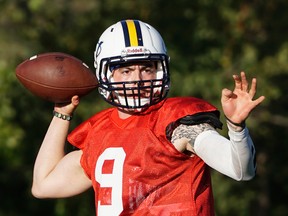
(125, 42)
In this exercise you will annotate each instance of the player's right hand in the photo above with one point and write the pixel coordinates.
(67, 108)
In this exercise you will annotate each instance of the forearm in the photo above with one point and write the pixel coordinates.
(243, 153)
(51, 150)
(234, 157)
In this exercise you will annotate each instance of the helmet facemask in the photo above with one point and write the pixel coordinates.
(134, 95)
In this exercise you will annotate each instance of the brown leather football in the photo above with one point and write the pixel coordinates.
(56, 77)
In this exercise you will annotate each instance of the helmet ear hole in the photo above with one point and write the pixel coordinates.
(131, 41)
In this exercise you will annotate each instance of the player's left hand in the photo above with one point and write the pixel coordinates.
(238, 104)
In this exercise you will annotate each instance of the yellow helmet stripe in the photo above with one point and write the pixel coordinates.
(132, 33)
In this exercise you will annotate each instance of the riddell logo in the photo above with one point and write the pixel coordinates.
(135, 50)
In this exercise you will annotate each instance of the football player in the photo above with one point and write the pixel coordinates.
(148, 154)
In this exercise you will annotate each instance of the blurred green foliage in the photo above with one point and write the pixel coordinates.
(207, 40)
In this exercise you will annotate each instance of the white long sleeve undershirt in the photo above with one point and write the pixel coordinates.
(234, 157)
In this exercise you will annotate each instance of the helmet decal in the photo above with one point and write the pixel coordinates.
(99, 48)
(132, 33)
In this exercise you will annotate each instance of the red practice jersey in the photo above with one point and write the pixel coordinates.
(136, 170)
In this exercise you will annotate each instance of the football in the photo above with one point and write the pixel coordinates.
(56, 77)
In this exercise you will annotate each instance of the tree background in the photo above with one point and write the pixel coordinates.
(207, 41)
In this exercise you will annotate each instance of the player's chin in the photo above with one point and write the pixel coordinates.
(134, 110)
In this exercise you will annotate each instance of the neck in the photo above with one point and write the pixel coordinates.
(123, 115)
(126, 113)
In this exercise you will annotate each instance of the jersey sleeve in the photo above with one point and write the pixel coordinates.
(78, 136)
(78, 139)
